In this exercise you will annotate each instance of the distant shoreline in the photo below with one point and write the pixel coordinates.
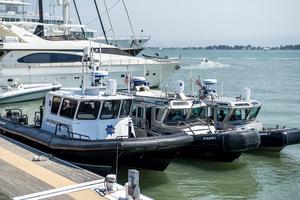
(235, 47)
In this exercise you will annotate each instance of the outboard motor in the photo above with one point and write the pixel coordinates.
(139, 83)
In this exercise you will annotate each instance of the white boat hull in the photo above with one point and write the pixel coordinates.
(66, 73)
(26, 94)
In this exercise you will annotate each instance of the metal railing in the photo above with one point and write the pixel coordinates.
(69, 133)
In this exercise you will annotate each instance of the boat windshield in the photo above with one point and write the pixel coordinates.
(221, 114)
(88, 110)
(253, 113)
(244, 114)
(239, 114)
(176, 115)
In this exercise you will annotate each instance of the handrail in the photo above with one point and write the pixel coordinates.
(70, 134)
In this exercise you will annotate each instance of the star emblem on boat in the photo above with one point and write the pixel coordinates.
(110, 130)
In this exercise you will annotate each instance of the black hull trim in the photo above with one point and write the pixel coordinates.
(277, 139)
(226, 146)
(149, 152)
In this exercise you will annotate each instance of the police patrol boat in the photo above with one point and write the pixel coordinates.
(240, 113)
(92, 126)
(167, 113)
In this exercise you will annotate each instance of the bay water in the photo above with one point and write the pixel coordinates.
(274, 79)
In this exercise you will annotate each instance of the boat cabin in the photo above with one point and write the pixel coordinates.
(168, 113)
(235, 113)
(96, 114)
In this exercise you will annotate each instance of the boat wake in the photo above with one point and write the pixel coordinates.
(270, 58)
(207, 65)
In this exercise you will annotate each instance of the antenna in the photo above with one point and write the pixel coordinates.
(84, 63)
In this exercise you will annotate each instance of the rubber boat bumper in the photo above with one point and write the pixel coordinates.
(149, 152)
(277, 139)
(223, 146)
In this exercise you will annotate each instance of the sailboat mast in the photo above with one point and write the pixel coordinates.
(39, 31)
(78, 16)
(103, 30)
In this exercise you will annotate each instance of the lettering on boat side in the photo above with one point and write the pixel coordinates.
(110, 130)
(210, 138)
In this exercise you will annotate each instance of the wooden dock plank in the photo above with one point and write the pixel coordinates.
(20, 175)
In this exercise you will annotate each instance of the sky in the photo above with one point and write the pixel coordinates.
(181, 23)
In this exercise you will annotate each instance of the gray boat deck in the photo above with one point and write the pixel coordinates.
(20, 175)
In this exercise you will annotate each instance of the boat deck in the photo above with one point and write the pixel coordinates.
(24, 170)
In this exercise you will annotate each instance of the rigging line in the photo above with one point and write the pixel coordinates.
(111, 27)
(104, 12)
(78, 16)
(133, 42)
(101, 23)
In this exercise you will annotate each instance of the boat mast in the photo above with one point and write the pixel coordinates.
(111, 27)
(39, 30)
(66, 16)
(78, 16)
(133, 35)
(103, 30)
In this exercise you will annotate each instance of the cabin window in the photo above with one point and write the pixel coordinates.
(140, 112)
(110, 109)
(88, 110)
(125, 110)
(239, 114)
(68, 108)
(176, 115)
(55, 105)
(50, 58)
(253, 113)
(114, 51)
(159, 113)
(196, 113)
(221, 114)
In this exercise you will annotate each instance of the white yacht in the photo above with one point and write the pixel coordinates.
(24, 55)
(18, 13)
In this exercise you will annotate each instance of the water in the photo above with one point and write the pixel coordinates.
(273, 77)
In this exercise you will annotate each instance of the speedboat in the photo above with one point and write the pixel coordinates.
(16, 91)
(240, 113)
(166, 113)
(91, 125)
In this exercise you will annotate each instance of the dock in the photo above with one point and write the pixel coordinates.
(26, 173)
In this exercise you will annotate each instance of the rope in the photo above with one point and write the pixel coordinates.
(95, 19)
(111, 27)
(133, 42)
